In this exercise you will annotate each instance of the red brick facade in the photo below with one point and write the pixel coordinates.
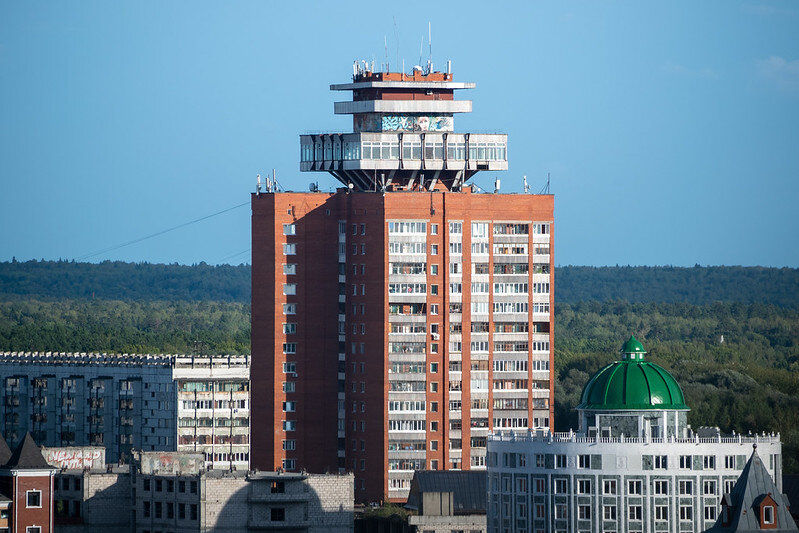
(340, 397)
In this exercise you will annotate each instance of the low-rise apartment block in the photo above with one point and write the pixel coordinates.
(124, 402)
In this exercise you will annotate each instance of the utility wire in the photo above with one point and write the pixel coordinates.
(157, 233)
(233, 255)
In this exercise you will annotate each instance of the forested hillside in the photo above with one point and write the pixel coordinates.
(115, 326)
(695, 285)
(730, 335)
(116, 280)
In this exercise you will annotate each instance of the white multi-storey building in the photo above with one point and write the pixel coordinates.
(126, 402)
(634, 465)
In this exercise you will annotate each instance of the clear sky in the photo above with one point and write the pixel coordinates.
(671, 130)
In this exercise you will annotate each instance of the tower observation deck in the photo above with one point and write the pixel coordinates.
(403, 135)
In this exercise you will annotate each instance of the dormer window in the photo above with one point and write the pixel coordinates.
(768, 515)
(768, 512)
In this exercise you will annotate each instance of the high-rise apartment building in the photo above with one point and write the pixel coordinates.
(398, 320)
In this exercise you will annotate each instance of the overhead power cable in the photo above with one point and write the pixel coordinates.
(233, 255)
(157, 233)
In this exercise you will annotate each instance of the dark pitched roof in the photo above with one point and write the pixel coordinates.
(5, 451)
(468, 488)
(27, 456)
(752, 486)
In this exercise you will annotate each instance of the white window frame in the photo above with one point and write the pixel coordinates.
(28, 495)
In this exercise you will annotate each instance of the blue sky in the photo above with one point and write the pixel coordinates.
(670, 130)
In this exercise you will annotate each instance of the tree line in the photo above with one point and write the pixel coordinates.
(117, 280)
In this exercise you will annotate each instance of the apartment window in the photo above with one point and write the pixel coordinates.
(561, 486)
(193, 509)
(609, 512)
(289, 289)
(560, 461)
(433, 249)
(289, 249)
(33, 498)
(609, 486)
(635, 512)
(363, 249)
(289, 425)
(710, 512)
(709, 487)
(685, 461)
(290, 328)
(583, 486)
(146, 509)
(289, 268)
(686, 487)
(686, 512)
(634, 487)
(433, 270)
(661, 487)
(289, 464)
(290, 347)
(33, 529)
(661, 513)
(433, 368)
(709, 462)
(289, 229)
(433, 229)
(289, 309)
(289, 444)
(277, 514)
(433, 309)
(561, 511)
(661, 462)
(289, 386)
(584, 512)
(363, 229)
(583, 461)
(289, 407)
(433, 426)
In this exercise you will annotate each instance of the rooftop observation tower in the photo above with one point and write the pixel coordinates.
(403, 135)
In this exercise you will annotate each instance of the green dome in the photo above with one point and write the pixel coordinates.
(632, 383)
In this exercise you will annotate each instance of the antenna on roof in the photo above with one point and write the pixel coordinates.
(396, 40)
(430, 47)
(526, 186)
(385, 46)
(545, 190)
(421, 50)
(258, 187)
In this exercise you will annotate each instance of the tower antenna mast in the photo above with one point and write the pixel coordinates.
(430, 47)
(396, 41)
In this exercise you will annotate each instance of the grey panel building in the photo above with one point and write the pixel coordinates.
(126, 402)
